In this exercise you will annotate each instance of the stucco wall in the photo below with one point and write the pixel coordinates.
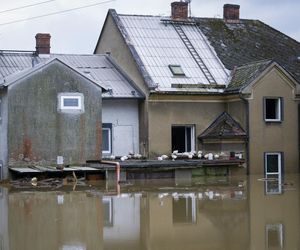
(112, 41)
(278, 137)
(3, 132)
(38, 132)
(122, 114)
(165, 113)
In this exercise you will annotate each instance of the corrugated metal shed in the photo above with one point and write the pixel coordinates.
(159, 45)
(99, 68)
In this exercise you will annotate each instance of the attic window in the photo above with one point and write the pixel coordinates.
(176, 70)
(273, 108)
(70, 102)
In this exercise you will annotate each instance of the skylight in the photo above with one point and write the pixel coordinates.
(176, 70)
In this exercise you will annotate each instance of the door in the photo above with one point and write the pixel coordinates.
(123, 140)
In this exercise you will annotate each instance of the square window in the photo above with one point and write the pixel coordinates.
(183, 138)
(71, 102)
(272, 109)
(176, 70)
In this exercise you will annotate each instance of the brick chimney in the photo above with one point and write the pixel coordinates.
(180, 10)
(231, 13)
(42, 43)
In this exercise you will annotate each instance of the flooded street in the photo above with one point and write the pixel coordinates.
(211, 213)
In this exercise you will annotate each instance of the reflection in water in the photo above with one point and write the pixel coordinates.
(215, 214)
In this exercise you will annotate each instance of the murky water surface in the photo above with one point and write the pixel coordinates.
(212, 213)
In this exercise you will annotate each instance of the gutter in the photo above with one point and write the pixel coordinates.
(246, 102)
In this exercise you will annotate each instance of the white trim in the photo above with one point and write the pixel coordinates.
(278, 109)
(109, 141)
(278, 164)
(74, 97)
(279, 230)
(71, 109)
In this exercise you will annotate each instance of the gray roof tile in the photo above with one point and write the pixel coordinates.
(100, 68)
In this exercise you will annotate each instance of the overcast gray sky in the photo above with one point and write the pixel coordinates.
(77, 31)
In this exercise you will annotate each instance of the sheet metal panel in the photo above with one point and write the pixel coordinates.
(159, 45)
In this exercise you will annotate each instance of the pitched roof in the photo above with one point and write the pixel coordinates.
(244, 74)
(249, 41)
(224, 127)
(155, 43)
(13, 78)
(99, 68)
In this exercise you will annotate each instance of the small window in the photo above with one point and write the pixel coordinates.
(184, 210)
(71, 102)
(183, 138)
(273, 109)
(108, 211)
(274, 236)
(106, 138)
(176, 70)
(273, 173)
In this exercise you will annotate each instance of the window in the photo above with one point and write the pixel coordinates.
(273, 173)
(176, 70)
(0, 110)
(106, 138)
(184, 210)
(274, 236)
(273, 109)
(183, 138)
(107, 211)
(71, 102)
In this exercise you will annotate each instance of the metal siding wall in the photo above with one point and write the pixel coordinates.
(122, 113)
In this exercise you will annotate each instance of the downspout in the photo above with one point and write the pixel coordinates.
(246, 102)
(118, 171)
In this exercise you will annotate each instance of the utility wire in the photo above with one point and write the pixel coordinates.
(55, 13)
(26, 6)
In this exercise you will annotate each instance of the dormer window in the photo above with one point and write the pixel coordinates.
(176, 70)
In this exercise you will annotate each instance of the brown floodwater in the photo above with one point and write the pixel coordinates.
(209, 213)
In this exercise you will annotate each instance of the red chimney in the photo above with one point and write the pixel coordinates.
(179, 10)
(42, 43)
(231, 13)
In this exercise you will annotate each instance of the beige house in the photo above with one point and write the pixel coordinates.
(226, 86)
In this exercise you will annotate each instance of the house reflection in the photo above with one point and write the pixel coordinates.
(55, 220)
(4, 244)
(227, 216)
(274, 219)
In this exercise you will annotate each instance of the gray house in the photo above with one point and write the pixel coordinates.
(52, 105)
(49, 112)
(219, 85)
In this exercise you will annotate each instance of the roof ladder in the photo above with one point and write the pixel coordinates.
(194, 53)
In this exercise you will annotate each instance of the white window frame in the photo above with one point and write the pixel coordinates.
(77, 96)
(279, 229)
(109, 201)
(109, 129)
(193, 138)
(271, 175)
(278, 109)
